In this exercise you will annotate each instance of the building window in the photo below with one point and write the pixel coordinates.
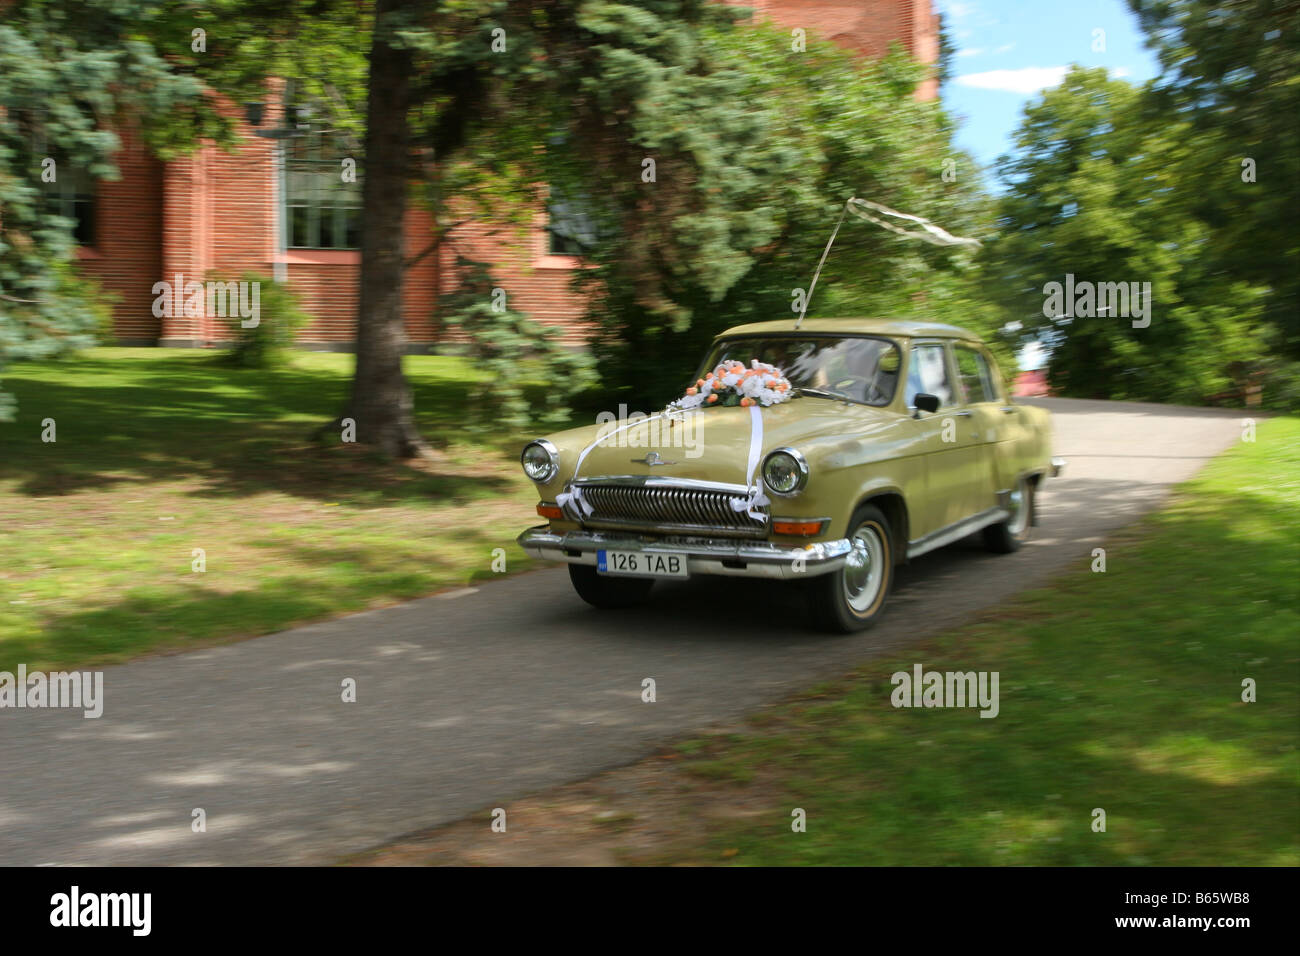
(570, 231)
(321, 209)
(72, 196)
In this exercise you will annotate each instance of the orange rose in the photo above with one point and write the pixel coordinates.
(691, 391)
(712, 398)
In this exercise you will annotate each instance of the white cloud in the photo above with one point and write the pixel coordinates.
(980, 51)
(1030, 79)
(1120, 73)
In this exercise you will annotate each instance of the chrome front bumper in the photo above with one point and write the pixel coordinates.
(754, 559)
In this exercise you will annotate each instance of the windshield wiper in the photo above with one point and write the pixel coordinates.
(822, 393)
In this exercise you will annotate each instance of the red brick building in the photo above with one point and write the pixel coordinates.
(867, 27)
(215, 214)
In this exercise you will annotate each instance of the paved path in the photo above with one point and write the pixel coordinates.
(470, 698)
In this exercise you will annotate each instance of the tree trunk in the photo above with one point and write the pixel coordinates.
(381, 403)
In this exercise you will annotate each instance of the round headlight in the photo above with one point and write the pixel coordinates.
(785, 471)
(541, 460)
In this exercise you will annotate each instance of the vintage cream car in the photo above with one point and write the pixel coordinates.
(899, 438)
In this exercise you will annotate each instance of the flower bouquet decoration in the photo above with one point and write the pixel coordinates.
(731, 383)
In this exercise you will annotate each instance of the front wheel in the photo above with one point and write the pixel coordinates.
(604, 591)
(853, 598)
(1007, 536)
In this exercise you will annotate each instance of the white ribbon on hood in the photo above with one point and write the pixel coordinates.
(574, 494)
(749, 503)
(755, 499)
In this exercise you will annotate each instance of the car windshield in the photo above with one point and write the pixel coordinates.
(856, 368)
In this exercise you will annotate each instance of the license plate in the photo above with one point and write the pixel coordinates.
(641, 564)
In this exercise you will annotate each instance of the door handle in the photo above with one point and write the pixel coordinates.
(1009, 409)
(965, 414)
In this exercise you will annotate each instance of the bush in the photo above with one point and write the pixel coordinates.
(279, 317)
(1281, 387)
(65, 313)
(527, 376)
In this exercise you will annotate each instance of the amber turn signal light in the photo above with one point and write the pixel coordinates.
(548, 510)
(800, 529)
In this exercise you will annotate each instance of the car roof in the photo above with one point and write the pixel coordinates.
(848, 326)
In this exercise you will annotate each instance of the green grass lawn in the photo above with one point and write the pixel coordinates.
(1119, 690)
(160, 452)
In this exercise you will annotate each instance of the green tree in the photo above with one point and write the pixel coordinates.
(1231, 76)
(756, 148)
(1094, 191)
(69, 73)
(72, 72)
(465, 78)
(711, 158)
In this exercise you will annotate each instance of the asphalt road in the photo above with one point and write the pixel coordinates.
(468, 699)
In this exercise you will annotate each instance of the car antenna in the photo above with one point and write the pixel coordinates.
(817, 274)
(865, 209)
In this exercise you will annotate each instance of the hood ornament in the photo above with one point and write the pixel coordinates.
(652, 459)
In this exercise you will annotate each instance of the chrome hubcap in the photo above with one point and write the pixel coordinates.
(864, 569)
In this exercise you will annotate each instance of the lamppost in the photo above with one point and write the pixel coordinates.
(253, 112)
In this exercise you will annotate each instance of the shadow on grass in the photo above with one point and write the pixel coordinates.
(319, 582)
(1019, 799)
(1119, 691)
(168, 416)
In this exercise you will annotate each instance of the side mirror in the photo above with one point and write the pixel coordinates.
(925, 402)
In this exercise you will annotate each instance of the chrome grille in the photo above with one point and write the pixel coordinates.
(664, 507)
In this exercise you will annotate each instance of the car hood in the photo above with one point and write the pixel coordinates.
(712, 444)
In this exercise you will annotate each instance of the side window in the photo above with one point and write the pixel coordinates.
(928, 372)
(974, 372)
(992, 380)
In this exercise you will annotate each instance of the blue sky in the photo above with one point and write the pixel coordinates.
(1009, 50)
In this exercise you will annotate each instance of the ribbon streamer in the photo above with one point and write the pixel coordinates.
(755, 499)
(935, 235)
(574, 494)
(750, 503)
(864, 209)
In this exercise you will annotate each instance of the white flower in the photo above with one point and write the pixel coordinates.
(731, 375)
(687, 402)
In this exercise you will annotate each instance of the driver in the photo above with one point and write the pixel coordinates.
(859, 372)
